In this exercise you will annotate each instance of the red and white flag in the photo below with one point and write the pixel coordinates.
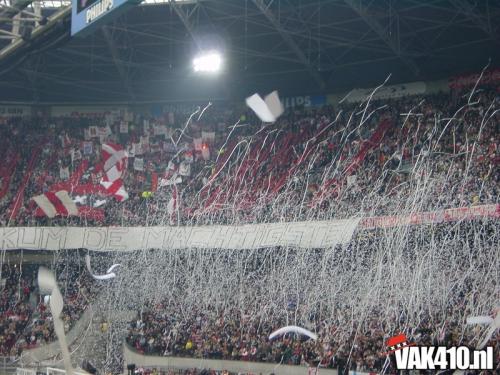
(115, 161)
(115, 189)
(59, 203)
(124, 127)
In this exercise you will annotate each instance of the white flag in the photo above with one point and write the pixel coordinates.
(64, 173)
(208, 137)
(138, 164)
(138, 150)
(123, 127)
(197, 143)
(174, 180)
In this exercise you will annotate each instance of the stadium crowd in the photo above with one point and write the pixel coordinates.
(25, 319)
(223, 166)
(163, 329)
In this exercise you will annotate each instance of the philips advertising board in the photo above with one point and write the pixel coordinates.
(304, 101)
(86, 15)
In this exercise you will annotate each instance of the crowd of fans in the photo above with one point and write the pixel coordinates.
(223, 166)
(25, 319)
(206, 337)
(165, 329)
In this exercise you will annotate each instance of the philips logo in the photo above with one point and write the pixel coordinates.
(98, 9)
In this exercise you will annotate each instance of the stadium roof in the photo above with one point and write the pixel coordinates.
(295, 46)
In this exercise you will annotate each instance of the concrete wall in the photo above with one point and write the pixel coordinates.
(233, 366)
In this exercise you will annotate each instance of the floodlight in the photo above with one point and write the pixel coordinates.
(208, 62)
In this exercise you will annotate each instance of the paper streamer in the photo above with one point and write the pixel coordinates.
(260, 108)
(56, 303)
(293, 329)
(110, 269)
(47, 284)
(274, 104)
(479, 320)
(109, 273)
(494, 325)
(46, 281)
(269, 109)
(107, 276)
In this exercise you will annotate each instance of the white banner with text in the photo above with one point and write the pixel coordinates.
(308, 234)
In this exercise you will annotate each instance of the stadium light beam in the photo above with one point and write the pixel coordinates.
(208, 62)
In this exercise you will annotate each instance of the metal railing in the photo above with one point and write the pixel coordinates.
(58, 371)
(25, 371)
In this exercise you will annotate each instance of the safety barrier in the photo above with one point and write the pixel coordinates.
(243, 367)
